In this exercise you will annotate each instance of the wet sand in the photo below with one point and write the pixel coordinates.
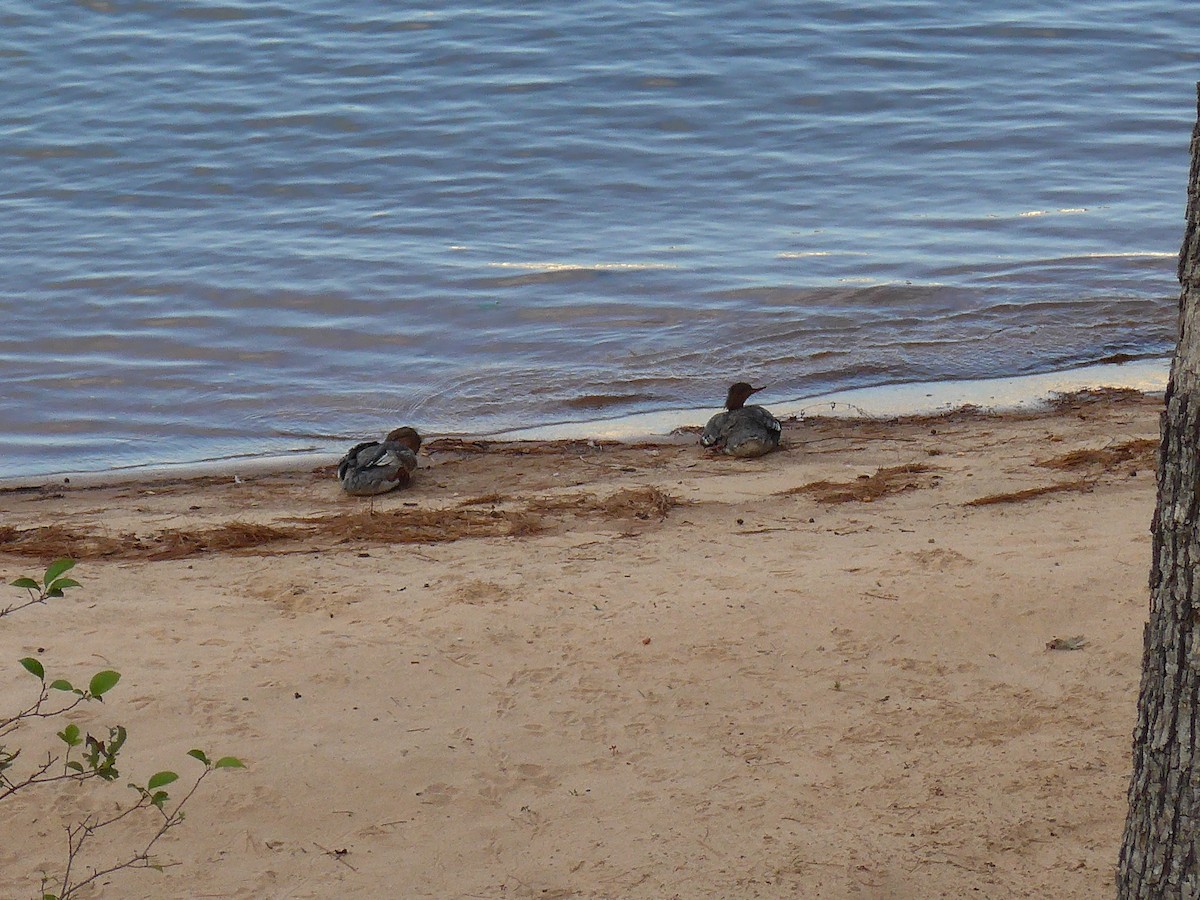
(582, 669)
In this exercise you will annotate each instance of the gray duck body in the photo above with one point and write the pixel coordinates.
(377, 467)
(742, 431)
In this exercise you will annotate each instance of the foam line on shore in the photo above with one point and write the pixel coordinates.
(1011, 393)
(887, 401)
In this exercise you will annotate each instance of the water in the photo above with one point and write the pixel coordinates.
(235, 227)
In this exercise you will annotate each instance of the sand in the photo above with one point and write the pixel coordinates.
(616, 671)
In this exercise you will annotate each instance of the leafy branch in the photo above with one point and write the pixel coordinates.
(52, 585)
(87, 757)
(97, 760)
(150, 797)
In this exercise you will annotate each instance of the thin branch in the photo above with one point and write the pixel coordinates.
(17, 607)
(139, 860)
(34, 711)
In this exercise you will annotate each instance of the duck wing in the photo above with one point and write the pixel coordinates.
(396, 455)
(351, 461)
(374, 455)
(764, 420)
(753, 431)
(716, 430)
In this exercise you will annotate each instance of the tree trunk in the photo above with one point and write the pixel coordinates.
(1160, 856)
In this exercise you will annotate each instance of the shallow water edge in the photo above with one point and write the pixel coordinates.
(1149, 376)
(885, 401)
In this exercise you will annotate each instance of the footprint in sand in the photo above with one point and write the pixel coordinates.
(940, 559)
(438, 794)
(482, 593)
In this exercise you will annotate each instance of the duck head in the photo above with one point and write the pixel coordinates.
(739, 393)
(406, 436)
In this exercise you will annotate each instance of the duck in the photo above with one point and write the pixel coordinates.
(743, 431)
(376, 467)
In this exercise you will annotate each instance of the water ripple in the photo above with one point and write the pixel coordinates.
(232, 226)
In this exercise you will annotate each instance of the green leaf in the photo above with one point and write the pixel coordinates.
(49, 897)
(63, 583)
(159, 779)
(229, 762)
(75, 765)
(70, 735)
(34, 668)
(61, 684)
(56, 568)
(103, 682)
(54, 592)
(198, 754)
(26, 583)
(159, 798)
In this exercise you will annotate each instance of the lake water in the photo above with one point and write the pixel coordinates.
(254, 228)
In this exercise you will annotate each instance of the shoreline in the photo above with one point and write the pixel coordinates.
(920, 398)
(1010, 393)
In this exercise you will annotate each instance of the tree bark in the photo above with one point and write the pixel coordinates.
(1160, 856)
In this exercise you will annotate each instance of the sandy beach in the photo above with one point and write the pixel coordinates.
(598, 670)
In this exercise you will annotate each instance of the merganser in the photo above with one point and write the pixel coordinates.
(376, 467)
(742, 430)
